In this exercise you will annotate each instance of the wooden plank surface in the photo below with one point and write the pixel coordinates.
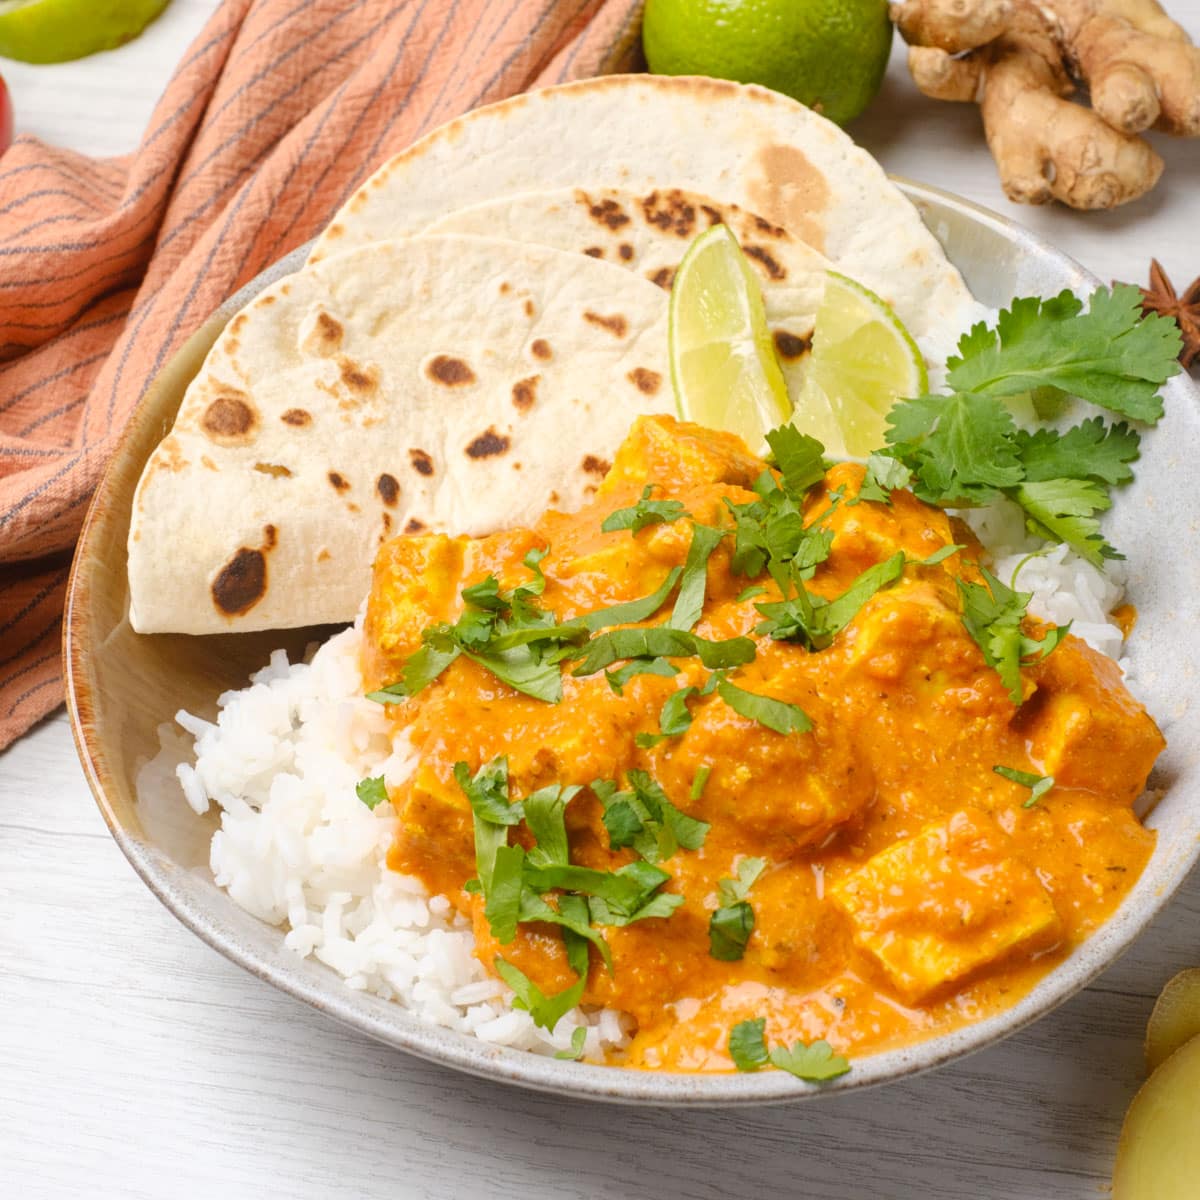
(136, 1062)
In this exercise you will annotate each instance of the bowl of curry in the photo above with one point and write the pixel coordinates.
(910, 922)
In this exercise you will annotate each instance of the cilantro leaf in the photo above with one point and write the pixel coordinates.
(800, 458)
(578, 1038)
(644, 512)
(755, 589)
(545, 812)
(938, 556)
(639, 666)
(961, 447)
(372, 792)
(1064, 510)
(729, 929)
(674, 720)
(1039, 785)
(688, 831)
(748, 871)
(814, 1063)
(774, 714)
(992, 614)
(884, 475)
(1089, 450)
(1110, 355)
(748, 1044)
(487, 792)
(661, 641)
(418, 672)
(700, 781)
(689, 604)
(502, 897)
(546, 1011)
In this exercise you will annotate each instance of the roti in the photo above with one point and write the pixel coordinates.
(450, 382)
(742, 144)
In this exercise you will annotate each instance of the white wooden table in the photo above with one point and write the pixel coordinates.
(135, 1062)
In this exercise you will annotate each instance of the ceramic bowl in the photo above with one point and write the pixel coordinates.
(123, 687)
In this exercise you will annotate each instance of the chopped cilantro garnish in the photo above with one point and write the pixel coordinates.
(814, 620)
(644, 512)
(502, 893)
(639, 666)
(660, 641)
(748, 1044)
(633, 610)
(546, 1011)
(674, 720)
(815, 1063)
(884, 475)
(730, 926)
(646, 819)
(755, 589)
(578, 1038)
(938, 556)
(700, 781)
(800, 458)
(1064, 510)
(690, 602)
(774, 714)
(372, 792)
(993, 614)
(1038, 785)
(545, 816)
(1090, 450)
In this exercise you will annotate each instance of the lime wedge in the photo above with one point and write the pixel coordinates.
(863, 360)
(47, 31)
(723, 364)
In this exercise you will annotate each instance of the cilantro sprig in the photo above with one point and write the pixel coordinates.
(1038, 785)
(644, 512)
(730, 926)
(964, 448)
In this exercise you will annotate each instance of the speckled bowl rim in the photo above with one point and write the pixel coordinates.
(394, 1025)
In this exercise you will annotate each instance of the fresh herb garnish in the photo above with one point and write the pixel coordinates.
(700, 781)
(645, 819)
(545, 812)
(639, 666)
(674, 720)
(774, 714)
(815, 1063)
(1038, 785)
(815, 621)
(632, 610)
(800, 458)
(372, 792)
(546, 1011)
(884, 475)
(730, 926)
(689, 604)
(578, 1038)
(644, 512)
(993, 614)
(661, 641)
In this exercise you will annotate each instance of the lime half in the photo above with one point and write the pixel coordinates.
(863, 360)
(723, 363)
(48, 31)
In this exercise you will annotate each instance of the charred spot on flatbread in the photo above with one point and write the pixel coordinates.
(617, 325)
(595, 465)
(608, 213)
(646, 381)
(624, 251)
(230, 419)
(296, 417)
(529, 308)
(422, 462)
(524, 393)
(670, 211)
(790, 191)
(361, 381)
(388, 489)
(324, 337)
(768, 262)
(276, 470)
(594, 252)
(242, 582)
(449, 371)
(790, 345)
(663, 277)
(714, 214)
(338, 482)
(541, 349)
(414, 525)
(488, 444)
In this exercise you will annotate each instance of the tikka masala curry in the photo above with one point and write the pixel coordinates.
(771, 805)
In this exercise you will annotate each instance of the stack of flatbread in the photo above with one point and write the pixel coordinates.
(479, 325)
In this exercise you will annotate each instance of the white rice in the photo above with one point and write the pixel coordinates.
(296, 847)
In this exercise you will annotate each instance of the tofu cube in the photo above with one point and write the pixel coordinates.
(937, 907)
(678, 453)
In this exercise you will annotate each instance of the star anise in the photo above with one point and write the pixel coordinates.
(1160, 298)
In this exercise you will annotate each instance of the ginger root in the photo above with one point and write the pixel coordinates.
(1021, 60)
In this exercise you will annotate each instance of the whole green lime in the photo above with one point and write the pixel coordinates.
(49, 31)
(828, 54)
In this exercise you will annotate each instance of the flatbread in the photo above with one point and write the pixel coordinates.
(648, 233)
(741, 143)
(453, 382)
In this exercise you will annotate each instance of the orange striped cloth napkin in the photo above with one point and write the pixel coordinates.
(106, 265)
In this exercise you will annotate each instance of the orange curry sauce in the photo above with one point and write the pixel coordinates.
(907, 887)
